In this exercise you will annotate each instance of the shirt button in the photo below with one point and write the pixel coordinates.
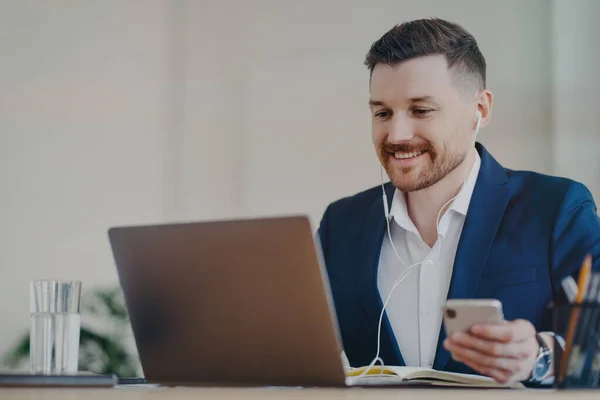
(429, 262)
(426, 311)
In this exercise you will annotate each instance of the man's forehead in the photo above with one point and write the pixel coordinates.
(413, 79)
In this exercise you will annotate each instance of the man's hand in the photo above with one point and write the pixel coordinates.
(504, 352)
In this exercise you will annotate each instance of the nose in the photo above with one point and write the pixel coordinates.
(400, 130)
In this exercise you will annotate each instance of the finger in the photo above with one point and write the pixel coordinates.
(517, 350)
(513, 331)
(484, 361)
(500, 376)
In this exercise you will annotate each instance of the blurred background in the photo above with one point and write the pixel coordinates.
(116, 112)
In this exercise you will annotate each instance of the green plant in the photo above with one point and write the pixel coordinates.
(105, 329)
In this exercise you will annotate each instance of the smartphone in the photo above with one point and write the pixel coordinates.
(461, 314)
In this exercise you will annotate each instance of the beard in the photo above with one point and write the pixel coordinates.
(411, 178)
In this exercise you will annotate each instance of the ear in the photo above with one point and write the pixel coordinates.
(484, 106)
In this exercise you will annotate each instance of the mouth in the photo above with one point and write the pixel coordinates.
(406, 159)
(399, 155)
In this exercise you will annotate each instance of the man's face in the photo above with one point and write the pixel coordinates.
(422, 125)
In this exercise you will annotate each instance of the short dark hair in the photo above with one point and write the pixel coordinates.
(429, 37)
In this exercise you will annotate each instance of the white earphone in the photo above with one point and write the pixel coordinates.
(405, 273)
(478, 122)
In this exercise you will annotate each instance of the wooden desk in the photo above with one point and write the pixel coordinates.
(136, 393)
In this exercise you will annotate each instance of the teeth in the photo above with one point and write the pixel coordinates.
(407, 155)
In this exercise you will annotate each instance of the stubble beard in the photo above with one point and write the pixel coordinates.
(439, 167)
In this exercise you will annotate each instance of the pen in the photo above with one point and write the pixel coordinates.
(582, 285)
(580, 353)
(570, 287)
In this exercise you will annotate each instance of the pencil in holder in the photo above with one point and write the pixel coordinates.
(577, 366)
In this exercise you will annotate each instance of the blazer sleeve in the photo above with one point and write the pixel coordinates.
(576, 233)
(322, 232)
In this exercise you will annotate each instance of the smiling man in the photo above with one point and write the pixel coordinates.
(451, 223)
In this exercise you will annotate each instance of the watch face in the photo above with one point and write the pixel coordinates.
(542, 367)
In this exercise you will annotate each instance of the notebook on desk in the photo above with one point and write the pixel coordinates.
(35, 380)
(239, 302)
(395, 375)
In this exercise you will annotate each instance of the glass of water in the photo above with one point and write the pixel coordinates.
(54, 327)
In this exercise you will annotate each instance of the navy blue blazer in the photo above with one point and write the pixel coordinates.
(523, 233)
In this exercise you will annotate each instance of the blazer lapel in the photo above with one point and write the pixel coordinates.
(488, 202)
(372, 305)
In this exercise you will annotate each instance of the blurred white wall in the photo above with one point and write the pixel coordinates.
(576, 88)
(84, 108)
(117, 112)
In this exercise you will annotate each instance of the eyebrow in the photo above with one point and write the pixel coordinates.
(376, 103)
(422, 98)
(412, 100)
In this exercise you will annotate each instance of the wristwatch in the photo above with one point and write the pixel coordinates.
(543, 363)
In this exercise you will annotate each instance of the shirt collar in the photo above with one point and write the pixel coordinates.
(399, 210)
(461, 203)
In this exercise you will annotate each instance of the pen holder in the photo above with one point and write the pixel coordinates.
(578, 366)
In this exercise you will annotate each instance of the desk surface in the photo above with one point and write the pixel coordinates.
(135, 393)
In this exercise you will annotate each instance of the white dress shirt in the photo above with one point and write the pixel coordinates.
(415, 307)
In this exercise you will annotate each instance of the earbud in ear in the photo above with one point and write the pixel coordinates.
(478, 122)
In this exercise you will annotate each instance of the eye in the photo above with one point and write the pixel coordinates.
(382, 114)
(421, 112)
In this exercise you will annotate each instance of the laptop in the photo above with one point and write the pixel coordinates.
(230, 303)
(242, 302)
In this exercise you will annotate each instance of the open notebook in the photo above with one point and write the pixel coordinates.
(415, 375)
